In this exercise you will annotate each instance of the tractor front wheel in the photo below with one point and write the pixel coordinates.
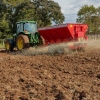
(22, 42)
(9, 45)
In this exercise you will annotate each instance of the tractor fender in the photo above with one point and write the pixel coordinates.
(23, 33)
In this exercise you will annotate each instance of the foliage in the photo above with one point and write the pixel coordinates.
(47, 11)
(43, 11)
(91, 16)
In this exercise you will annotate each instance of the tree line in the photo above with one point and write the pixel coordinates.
(43, 11)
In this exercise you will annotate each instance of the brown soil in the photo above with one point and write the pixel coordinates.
(73, 76)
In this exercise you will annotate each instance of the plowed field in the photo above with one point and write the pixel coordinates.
(74, 76)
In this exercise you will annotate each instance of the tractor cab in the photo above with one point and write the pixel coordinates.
(26, 27)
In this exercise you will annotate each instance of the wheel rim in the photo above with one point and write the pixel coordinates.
(7, 46)
(20, 44)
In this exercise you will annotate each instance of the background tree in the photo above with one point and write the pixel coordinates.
(98, 19)
(85, 15)
(89, 14)
(47, 11)
(4, 22)
(43, 11)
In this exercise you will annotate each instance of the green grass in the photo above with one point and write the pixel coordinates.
(2, 46)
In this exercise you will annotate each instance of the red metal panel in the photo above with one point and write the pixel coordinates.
(63, 32)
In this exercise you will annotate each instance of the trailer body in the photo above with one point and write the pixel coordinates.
(63, 33)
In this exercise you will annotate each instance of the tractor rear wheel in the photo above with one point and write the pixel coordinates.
(8, 45)
(22, 42)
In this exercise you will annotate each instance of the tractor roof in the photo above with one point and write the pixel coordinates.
(27, 21)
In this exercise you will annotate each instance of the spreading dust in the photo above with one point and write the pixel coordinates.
(62, 48)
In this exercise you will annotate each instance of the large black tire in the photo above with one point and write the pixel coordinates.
(9, 45)
(22, 42)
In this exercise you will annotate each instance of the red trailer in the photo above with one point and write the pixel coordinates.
(70, 32)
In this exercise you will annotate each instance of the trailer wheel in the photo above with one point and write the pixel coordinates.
(9, 45)
(22, 42)
(60, 49)
(52, 49)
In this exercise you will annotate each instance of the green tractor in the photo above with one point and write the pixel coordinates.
(26, 35)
